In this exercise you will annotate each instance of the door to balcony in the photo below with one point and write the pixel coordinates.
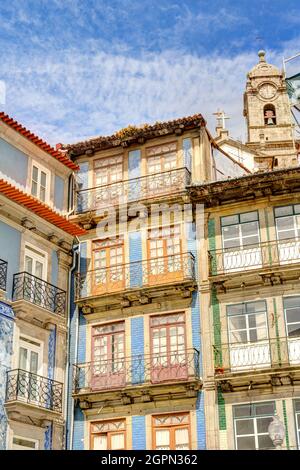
(291, 307)
(165, 262)
(36, 267)
(108, 267)
(108, 176)
(161, 179)
(108, 356)
(168, 348)
(287, 220)
(30, 366)
(248, 334)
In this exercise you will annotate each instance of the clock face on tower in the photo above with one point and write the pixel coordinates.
(267, 91)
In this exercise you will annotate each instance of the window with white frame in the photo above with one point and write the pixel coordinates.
(287, 220)
(22, 443)
(251, 422)
(40, 182)
(297, 418)
(240, 230)
(247, 322)
(291, 307)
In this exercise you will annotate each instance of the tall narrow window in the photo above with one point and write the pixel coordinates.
(164, 254)
(108, 435)
(108, 177)
(287, 220)
(251, 425)
(108, 265)
(240, 237)
(171, 432)
(40, 183)
(108, 356)
(161, 163)
(291, 306)
(168, 347)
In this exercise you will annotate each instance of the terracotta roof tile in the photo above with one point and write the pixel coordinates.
(39, 208)
(38, 141)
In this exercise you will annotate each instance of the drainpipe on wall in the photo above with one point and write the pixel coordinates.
(73, 267)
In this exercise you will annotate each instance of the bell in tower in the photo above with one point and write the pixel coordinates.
(268, 116)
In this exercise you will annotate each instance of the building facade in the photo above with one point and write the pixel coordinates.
(137, 356)
(35, 257)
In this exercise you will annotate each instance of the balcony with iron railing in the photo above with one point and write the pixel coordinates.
(3, 274)
(163, 271)
(277, 253)
(39, 292)
(136, 371)
(27, 388)
(144, 188)
(263, 357)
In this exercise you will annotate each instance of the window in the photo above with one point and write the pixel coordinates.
(247, 322)
(108, 264)
(161, 158)
(34, 286)
(164, 252)
(21, 443)
(291, 306)
(108, 435)
(251, 425)
(287, 219)
(269, 115)
(40, 182)
(108, 170)
(108, 351)
(248, 335)
(168, 347)
(240, 238)
(297, 418)
(171, 432)
(30, 365)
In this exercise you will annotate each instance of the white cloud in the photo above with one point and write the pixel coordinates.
(71, 96)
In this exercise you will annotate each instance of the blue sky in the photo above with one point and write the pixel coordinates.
(73, 69)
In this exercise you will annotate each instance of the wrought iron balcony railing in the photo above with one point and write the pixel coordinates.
(147, 273)
(39, 292)
(3, 274)
(136, 370)
(136, 189)
(267, 254)
(263, 354)
(34, 389)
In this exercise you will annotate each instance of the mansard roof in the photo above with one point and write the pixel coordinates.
(61, 157)
(135, 135)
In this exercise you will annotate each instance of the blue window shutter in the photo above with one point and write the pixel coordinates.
(83, 268)
(187, 153)
(83, 182)
(134, 173)
(135, 259)
(137, 350)
(138, 433)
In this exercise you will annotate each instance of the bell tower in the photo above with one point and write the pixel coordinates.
(268, 116)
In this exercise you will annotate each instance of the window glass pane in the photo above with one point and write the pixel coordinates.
(285, 223)
(237, 323)
(257, 320)
(117, 441)
(281, 211)
(162, 439)
(249, 229)
(23, 358)
(43, 179)
(35, 172)
(297, 208)
(100, 442)
(182, 438)
(34, 362)
(297, 405)
(264, 442)
(248, 217)
(262, 424)
(244, 426)
(252, 307)
(291, 302)
(264, 409)
(34, 188)
(242, 410)
(233, 244)
(231, 232)
(231, 219)
(253, 336)
(19, 441)
(238, 337)
(293, 315)
(236, 309)
(246, 443)
(294, 330)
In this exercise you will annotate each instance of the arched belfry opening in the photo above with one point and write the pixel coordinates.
(269, 115)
